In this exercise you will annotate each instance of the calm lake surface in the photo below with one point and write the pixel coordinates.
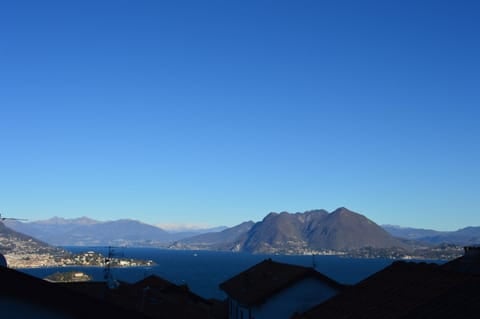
(203, 271)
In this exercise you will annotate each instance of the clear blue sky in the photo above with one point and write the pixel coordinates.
(217, 112)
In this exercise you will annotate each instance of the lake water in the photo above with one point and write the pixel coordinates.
(203, 271)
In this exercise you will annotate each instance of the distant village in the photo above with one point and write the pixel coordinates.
(89, 258)
(34, 259)
(441, 252)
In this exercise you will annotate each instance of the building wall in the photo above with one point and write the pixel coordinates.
(237, 311)
(298, 298)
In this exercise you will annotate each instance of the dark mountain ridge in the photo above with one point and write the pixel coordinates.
(285, 232)
(310, 231)
(318, 230)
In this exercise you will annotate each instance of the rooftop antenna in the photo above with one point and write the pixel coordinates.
(111, 282)
(10, 218)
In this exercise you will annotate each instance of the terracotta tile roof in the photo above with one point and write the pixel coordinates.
(463, 301)
(95, 289)
(30, 290)
(159, 286)
(258, 283)
(469, 263)
(152, 281)
(155, 297)
(405, 290)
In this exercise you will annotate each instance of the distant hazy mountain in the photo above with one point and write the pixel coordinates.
(85, 231)
(464, 236)
(52, 230)
(216, 240)
(409, 232)
(294, 233)
(17, 243)
(178, 235)
(176, 229)
(88, 232)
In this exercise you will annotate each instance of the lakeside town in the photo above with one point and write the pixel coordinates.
(419, 252)
(30, 259)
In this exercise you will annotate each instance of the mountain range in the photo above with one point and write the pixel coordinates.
(315, 230)
(298, 233)
(85, 231)
(465, 236)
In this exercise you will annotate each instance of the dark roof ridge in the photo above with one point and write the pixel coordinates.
(57, 297)
(257, 283)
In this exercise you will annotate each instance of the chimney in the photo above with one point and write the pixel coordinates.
(3, 261)
(472, 252)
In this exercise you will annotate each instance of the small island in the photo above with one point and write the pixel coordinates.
(69, 276)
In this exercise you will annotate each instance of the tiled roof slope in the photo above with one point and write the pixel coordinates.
(256, 284)
(155, 297)
(30, 290)
(405, 290)
(469, 263)
(463, 301)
